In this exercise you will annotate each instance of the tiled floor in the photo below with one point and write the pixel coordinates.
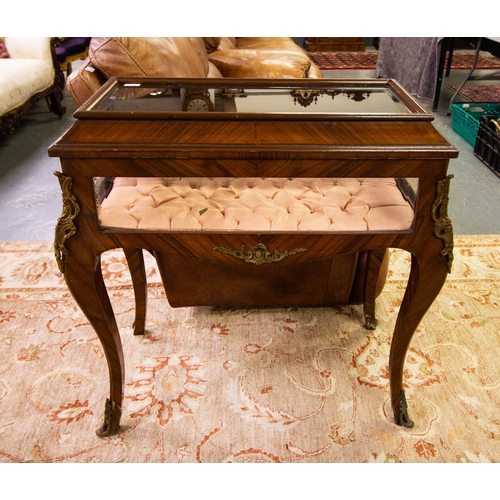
(30, 200)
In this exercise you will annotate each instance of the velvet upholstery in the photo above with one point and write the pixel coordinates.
(256, 205)
(71, 49)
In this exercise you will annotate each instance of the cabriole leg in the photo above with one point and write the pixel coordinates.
(424, 284)
(84, 279)
(374, 261)
(135, 261)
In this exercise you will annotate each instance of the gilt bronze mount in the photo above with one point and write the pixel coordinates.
(65, 227)
(259, 254)
(443, 227)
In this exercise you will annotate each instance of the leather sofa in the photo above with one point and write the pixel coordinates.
(28, 71)
(188, 57)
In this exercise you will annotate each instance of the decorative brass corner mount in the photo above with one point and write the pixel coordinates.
(65, 227)
(259, 254)
(443, 227)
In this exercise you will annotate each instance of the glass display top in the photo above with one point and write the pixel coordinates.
(251, 98)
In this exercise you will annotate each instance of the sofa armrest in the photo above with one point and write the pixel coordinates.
(84, 81)
(29, 48)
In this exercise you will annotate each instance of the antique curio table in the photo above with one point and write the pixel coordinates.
(249, 176)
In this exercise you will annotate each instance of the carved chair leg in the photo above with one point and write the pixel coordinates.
(54, 102)
(135, 261)
(55, 98)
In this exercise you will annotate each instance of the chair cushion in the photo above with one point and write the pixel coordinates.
(20, 79)
(249, 63)
(237, 204)
(167, 57)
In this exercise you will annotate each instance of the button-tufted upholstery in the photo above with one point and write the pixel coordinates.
(239, 204)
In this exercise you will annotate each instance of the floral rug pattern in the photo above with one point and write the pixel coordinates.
(248, 385)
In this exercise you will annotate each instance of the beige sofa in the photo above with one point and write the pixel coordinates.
(28, 71)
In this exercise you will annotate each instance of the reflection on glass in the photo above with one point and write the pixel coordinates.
(256, 204)
(341, 99)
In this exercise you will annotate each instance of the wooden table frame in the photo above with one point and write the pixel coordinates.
(315, 148)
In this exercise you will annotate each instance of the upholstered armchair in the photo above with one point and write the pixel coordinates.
(29, 71)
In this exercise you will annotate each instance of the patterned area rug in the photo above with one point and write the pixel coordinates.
(248, 385)
(479, 93)
(368, 60)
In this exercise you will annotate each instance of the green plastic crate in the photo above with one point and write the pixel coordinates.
(465, 118)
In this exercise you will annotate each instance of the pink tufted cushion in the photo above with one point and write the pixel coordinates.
(232, 204)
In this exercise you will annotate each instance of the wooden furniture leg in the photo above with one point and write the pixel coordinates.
(55, 98)
(425, 281)
(135, 261)
(84, 279)
(374, 262)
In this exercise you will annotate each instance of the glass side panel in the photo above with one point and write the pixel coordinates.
(348, 99)
(257, 205)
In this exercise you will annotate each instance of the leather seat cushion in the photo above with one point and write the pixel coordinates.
(174, 57)
(20, 79)
(249, 63)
